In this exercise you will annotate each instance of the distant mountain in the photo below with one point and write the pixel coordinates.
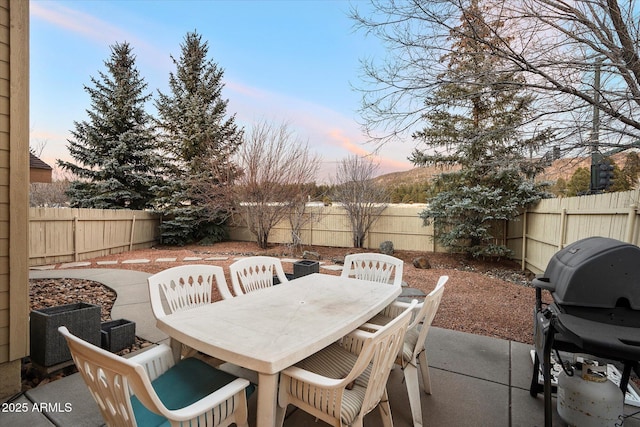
(560, 168)
(411, 176)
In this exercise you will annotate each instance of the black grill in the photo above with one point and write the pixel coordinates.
(595, 286)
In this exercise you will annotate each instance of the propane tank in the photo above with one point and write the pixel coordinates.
(588, 398)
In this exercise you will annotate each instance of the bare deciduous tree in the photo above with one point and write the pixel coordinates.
(49, 194)
(559, 47)
(275, 166)
(359, 195)
(37, 146)
(299, 216)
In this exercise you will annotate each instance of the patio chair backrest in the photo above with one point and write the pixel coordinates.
(131, 391)
(426, 312)
(255, 272)
(378, 350)
(185, 287)
(375, 267)
(343, 382)
(384, 346)
(110, 377)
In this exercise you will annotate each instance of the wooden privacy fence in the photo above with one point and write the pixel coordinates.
(67, 235)
(534, 237)
(329, 226)
(539, 232)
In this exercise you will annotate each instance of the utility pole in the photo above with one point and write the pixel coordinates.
(596, 157)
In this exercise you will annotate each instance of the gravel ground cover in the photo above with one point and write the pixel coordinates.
(490, 298)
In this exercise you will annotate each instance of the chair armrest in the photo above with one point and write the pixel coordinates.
(209, 402)
(354, 340)
(313, 378)
(370, 327)
(359, 334)
(396, 308)
(156, 360)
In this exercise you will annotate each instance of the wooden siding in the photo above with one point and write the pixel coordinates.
(40, 175)
(14, 176)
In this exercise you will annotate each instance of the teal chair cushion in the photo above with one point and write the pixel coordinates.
(185, 383)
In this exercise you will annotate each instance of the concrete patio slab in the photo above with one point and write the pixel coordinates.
(472, 355)
(75, 264)
(463, 400)
(106, 262)
(522, 367)
(42, 267)
(476, 380)
(136, 261)
(21, 412)
(67, 402)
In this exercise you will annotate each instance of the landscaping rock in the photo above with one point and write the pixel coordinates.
(311, 255)
(386, 247)
(421, 262)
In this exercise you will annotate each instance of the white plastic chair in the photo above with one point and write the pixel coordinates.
(255, 272)
(139, 391)
(375, 267)
(346, 380)
(413, 351)
(185, 287)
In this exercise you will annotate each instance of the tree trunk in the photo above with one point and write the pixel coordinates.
(263, 239)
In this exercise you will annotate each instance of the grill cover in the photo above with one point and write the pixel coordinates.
(594, 272)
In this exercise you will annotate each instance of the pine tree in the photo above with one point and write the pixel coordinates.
(200, 140)
(579, 182)
(627, 178)
(477, 126)
(559, 188)
(115, 149)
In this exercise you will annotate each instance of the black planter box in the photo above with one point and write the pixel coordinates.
(118, 334)
(304, 267)
(48, 347)
(276, 279)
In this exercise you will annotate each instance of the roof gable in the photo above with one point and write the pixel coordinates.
(36, 163)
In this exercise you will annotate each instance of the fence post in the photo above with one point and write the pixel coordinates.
(631, 222)
(523, 262)
(133, 226)
(563, 228)
(75, 238)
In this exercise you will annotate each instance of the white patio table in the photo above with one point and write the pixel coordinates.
(273, 328)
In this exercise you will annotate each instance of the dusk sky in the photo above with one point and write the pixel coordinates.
(293, 61)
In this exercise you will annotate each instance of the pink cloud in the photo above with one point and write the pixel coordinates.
(88, 26)
(81, 23)
(386, 164)
(250, 91)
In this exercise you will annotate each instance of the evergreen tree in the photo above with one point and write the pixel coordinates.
(477, 125)
(115, 149)
(628, 176)
(620, 182)
(559, 188)
(579, 183)
(199, 140)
